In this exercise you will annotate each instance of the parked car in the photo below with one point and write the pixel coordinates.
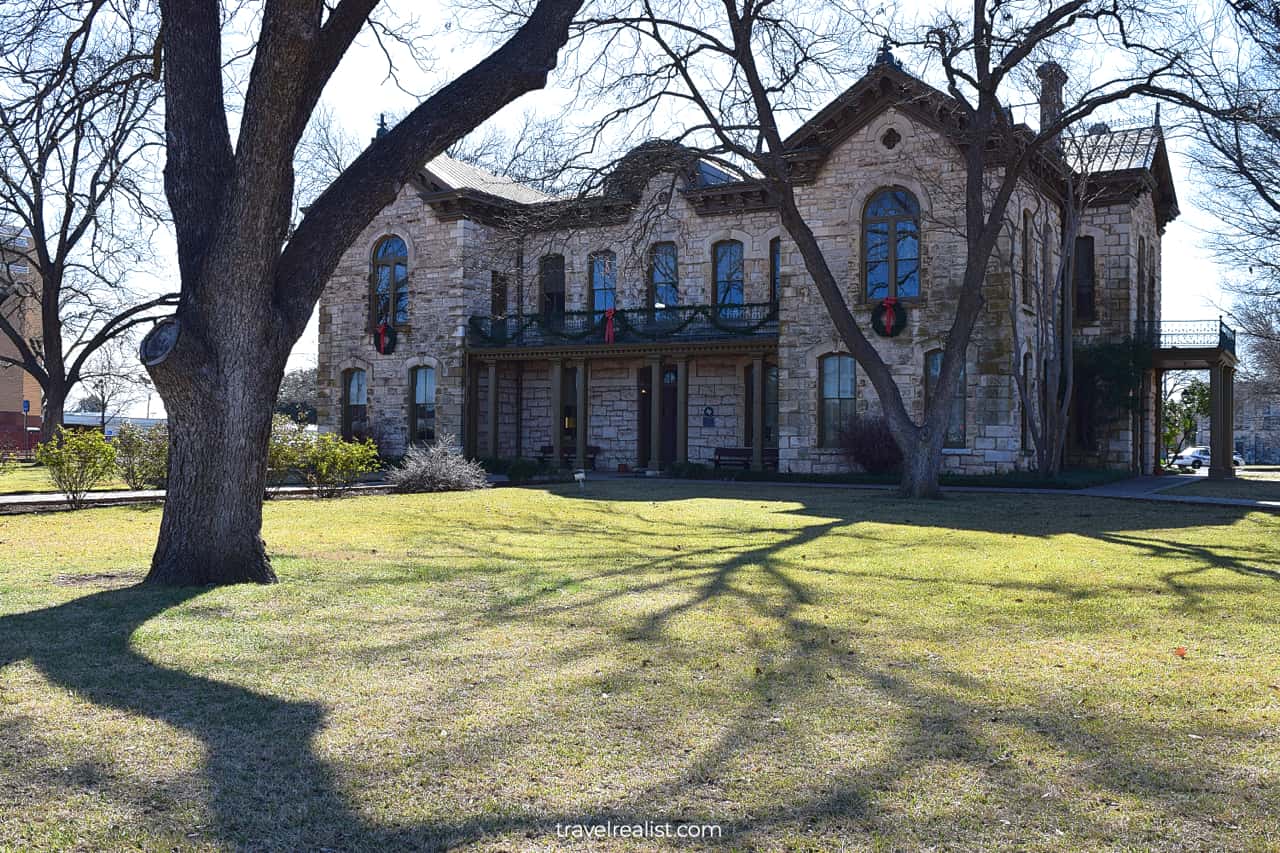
(1195, 458)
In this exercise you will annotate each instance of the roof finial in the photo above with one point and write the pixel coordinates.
(1157, 114)
(382, 125)
(885, 56)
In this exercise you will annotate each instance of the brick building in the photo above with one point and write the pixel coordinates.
(669, 318)
(23, 314)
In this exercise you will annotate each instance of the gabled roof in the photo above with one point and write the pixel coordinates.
(454, 174)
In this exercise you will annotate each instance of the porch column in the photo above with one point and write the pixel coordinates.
(492, 400)
(1229, 418)
(470, 408)
(557, 411)
(1157, 436)
(1219, 422)
(682, 409)
(581, 432)
(655, 414)
(757, 413)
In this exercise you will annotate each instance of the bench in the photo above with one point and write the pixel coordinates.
(568, 455)
(740, 457)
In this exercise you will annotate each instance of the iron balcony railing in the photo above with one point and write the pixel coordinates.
(1189, 334)
(629, 326)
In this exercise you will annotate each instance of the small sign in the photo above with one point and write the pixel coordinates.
(708, 417)
(707, 412)
(26, 407)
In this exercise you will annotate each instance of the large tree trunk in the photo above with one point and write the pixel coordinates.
(219, 398)
(55, 404)
(921, 468)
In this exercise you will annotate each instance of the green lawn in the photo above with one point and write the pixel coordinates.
(813, 669)
(27, 478)
(1259, 483)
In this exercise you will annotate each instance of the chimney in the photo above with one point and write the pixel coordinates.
(1052, 79)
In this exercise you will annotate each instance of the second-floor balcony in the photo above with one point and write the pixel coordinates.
(1184, 335)
(673, 324)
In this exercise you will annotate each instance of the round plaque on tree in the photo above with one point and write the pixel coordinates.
(889, 318)
(159, 342)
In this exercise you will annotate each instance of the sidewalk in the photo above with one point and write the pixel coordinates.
(1151, 489)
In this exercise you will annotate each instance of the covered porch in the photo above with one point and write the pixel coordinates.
(1199, 345)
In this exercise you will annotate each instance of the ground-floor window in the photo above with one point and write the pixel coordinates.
(836, 403)
(933, 373)
(355, 405)
(770, 405)
(422, 408)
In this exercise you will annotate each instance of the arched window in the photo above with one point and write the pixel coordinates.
(775, 269)
(422, 405)
(1084, 279)
(551, 280)
(1026, 257)
(603, 282)
(390, 302)
(355, 405)
(836, 397)
(933, 372)
(1028, 443)
(726, 261)
(891, 245)
(664, 276)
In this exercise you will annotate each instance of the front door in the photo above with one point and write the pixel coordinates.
(644, 417)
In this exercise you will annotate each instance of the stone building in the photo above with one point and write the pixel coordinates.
(669, 318)
(23, 315)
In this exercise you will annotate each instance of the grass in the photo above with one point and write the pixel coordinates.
(1259, 483)
(812, 669)
(30, 478)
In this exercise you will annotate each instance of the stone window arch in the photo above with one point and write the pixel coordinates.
(891, 244)
(389, 282)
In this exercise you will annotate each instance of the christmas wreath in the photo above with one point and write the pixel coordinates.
(889, 318)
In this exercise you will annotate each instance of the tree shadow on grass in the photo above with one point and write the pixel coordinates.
(268, 789)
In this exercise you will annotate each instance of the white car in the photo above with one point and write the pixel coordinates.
(1195, 458)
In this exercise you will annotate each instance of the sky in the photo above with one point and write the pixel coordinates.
(360, 90)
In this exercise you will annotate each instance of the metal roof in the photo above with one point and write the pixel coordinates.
(463, 176)
(1102, 149)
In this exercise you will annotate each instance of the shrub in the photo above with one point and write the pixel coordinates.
(285, 450)
(332, 465)
(867, 441)
(523, 470)
(142, 456)
(439, 467)
(692, 471)
(77, 461)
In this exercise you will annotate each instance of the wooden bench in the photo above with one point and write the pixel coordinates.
(568, 455)
(740, 457)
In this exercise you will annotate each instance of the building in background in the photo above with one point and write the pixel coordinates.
(19, 431)
(669, 319)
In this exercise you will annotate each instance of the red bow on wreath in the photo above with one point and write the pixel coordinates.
(889, 314)
(608, 325)
(382, 337)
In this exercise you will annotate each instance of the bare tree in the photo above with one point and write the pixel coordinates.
(114, 381)
(79, 86)
(249, 283)
(1239, 160)
(726, 74)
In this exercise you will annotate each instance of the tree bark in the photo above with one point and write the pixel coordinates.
(219, 426)
(55, 405)
(921, 469)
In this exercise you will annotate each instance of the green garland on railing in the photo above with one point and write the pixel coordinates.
(623, 325)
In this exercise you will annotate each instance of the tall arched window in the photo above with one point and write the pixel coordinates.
(836, 397)
(727, 273)
(551, 280)
(422, 406)
(1084, 280)
(603, 282)
(355, 405)
(664, 276)
(933, 372)
(1028, 442)
(775, 269)
(1026, 257)
(390, 298)
(891, 244)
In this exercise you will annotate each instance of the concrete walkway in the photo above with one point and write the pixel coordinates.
(1153, 489)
